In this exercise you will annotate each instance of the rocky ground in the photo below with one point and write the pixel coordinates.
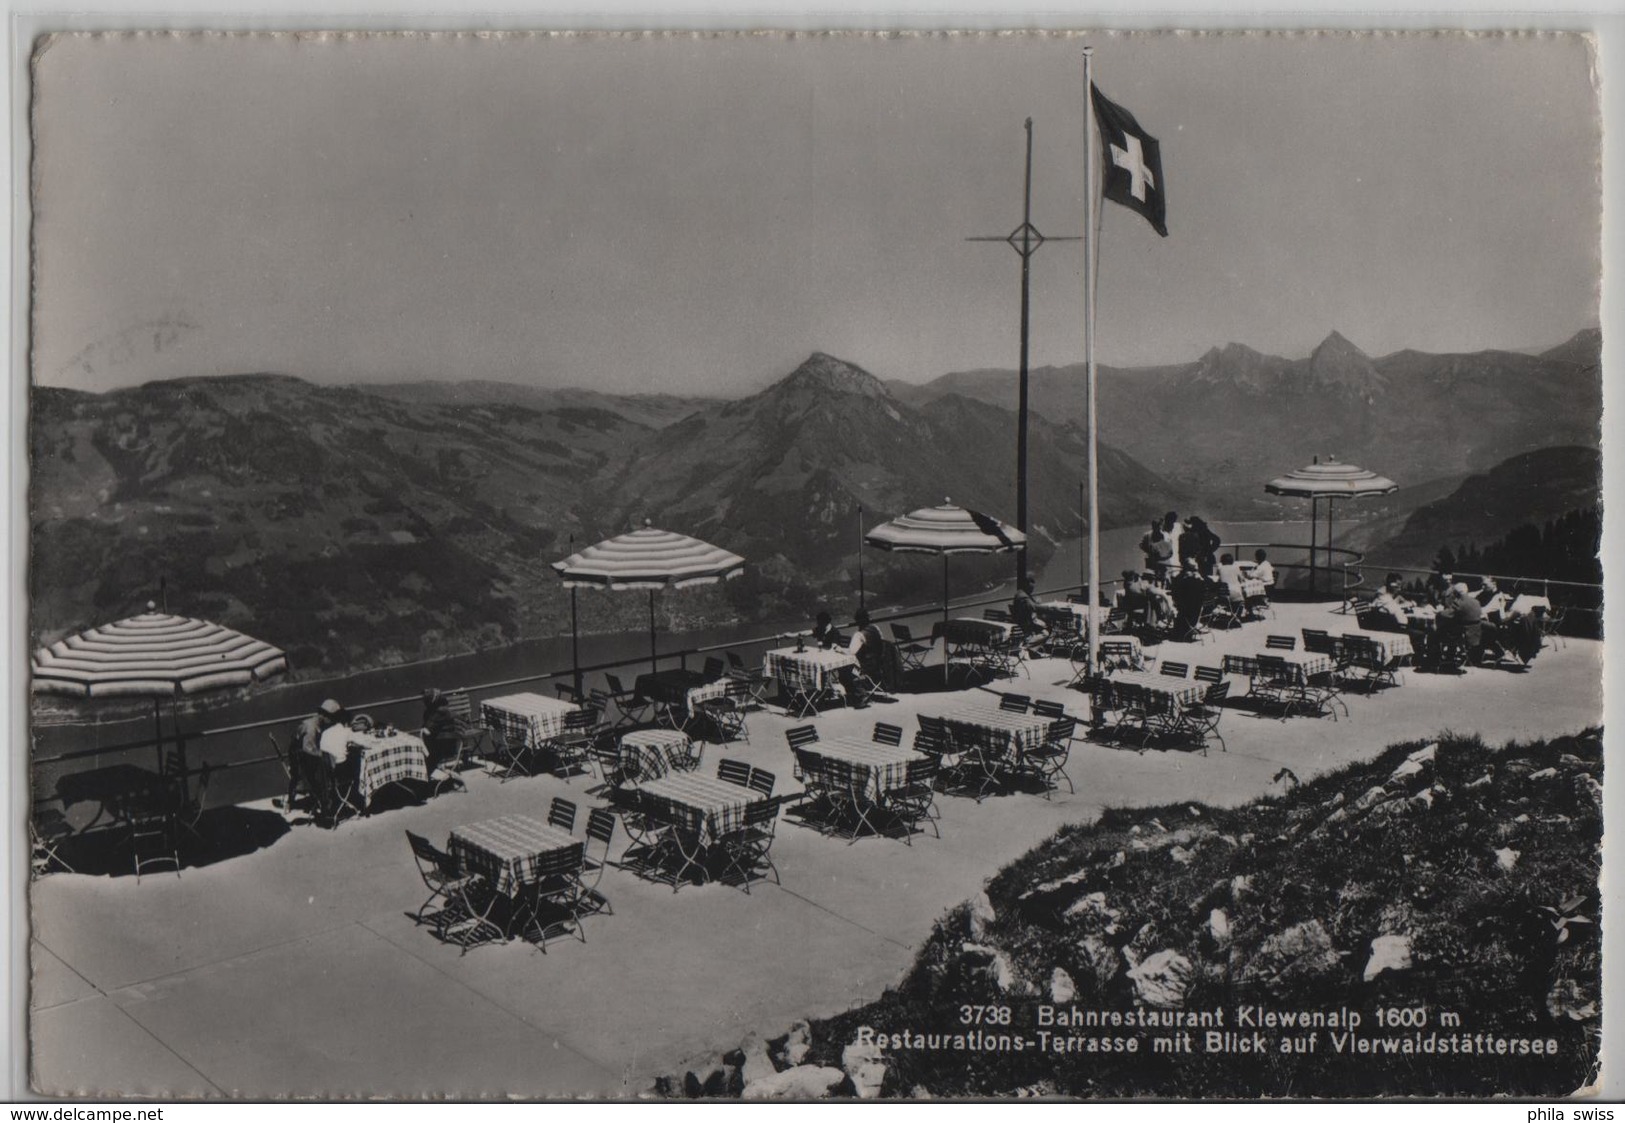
(1437, 907)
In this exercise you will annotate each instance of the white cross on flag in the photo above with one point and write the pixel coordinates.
(1133, 162)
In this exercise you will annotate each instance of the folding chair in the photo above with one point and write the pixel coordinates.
(189, 800)
(1014, 703)
(1202, 718)
(805, 692)
(295, 769)
(1118, 655)
(1174, 670)
(561, 813)
(600, 829)
(152, 832)
(886, 734)
(567, 693)
(628, 705)
(714, 668)
(1551, 625)
(726, 715)
(48, 829)
(460, 919)
(755, 681)
(761, 780)
(1048, 760)
(606, 759)
(573, 746)
(910, 650)
(916, 801)
(847, 790)
(997, 615)
(1281, 643)
(510, 756)
(732, 771)
(748, 849)
(553, 899)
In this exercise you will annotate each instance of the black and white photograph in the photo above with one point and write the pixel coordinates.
(813, 566)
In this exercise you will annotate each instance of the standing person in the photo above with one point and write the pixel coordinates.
(305, 759)
(1197, 546)
(1158, 549)
(1172, 531)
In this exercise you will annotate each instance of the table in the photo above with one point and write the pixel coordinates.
(1072, 616)
(119, 791)
(1525, 604)
(648, 754)
(718, 806)
(1005, 733)
(975, 643)
(812, 670)
(384, 759)
(507, 851)
(1312, 662)
(531, 720)
(1177, 691)
(676, 692)
(1388, 645)
(884, 767)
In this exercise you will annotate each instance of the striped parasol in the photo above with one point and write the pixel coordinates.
(1329, 481)
(646, 558)
(946, 530)
(154, 655)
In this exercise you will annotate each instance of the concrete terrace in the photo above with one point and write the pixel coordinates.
(295, 971)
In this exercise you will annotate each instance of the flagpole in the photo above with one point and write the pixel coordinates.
(1089, 353)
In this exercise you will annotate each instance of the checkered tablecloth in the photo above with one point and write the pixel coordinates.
(1252, 588)
(812, 669)
(1119, 649)
(884, 767)
(648, 754)
(388, 760)
(1073, 617)
(507, 850)
(1526, 603)
(705, 692)
(528, 719)
(1312, 662)
(1179, 691)
(1388, 644)
(720, 805)
(996, 729)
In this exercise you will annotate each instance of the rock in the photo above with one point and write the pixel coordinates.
(1116, 860)
(1241, 886)
(981, 916)
(1524, 818)
(1247, 838)
(1586, 786)
(1388, 953)
(1162, 979)
(755, 1064)
(1544, 774)
(1518, 767)
(1301, 953)
(1184, 837)
(865, 1066)
(1423, 800)
(797, 1043)
(1059, 883)
(1506, 858)
(1218, 928)
(1427, 754)
(919, 1092)
(1334, 803)
(1156, 825)
(1061, 986)
(1407, 768)
(1105, 962)
(1142, 943)
(997, 965)
(1193, 811)
(1180, 855)
(1567, 1000)
(1093, 908)
(710, 1082)
(804, 1082)
(1371, 798)
(669, 1086)
(1482, 781)
(1569, 760)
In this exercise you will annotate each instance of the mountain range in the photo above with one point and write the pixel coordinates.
(1225, 423)
(367, 525)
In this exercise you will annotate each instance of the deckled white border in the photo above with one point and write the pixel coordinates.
(26, 22)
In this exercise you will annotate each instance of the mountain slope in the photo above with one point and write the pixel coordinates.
(654, 410)
(1234, 418)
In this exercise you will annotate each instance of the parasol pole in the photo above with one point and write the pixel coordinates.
(653, 663)
(575, 632)
(1089, 347)
(945, 618)
(861, 603)
(1314, 530)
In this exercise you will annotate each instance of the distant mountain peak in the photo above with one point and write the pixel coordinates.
(826, 372)
(1338, 363)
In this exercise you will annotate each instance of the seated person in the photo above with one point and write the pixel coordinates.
(868, 647)
(1230, 577)
(1394, 603)
(306, 754)
(824, 633)
(1024, 609)
(1263, 571)
(1188, 595)
(1494, 602)
(440, 730)
(1460, 613)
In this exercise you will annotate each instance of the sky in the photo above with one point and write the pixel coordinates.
(687, 214)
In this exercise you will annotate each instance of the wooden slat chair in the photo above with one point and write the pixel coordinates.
(48, 829)
(189, 799)
(567, 692)
(887, 734)
(799, 737)
(572, 748)
(1551, 625)
(1055, 711)
(561, 813)
(732, 771)
(464, 899)
(763, 781)
(553, 900)
(910, 650)
(916, 801)
(600, 829)
(1319, 642)
(809, 770)
(725, 716)
(1174, 670)
(1364, 654)
(1014, 703)
(606, 759)
(1201, 719)
(756, 681)
(1048, 761)
(1281, 643)
(1118, 655)
(748, 850)
(631, 709)
(997, 615)
(714, 668)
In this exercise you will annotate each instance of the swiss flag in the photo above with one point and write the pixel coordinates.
(1133, 161)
